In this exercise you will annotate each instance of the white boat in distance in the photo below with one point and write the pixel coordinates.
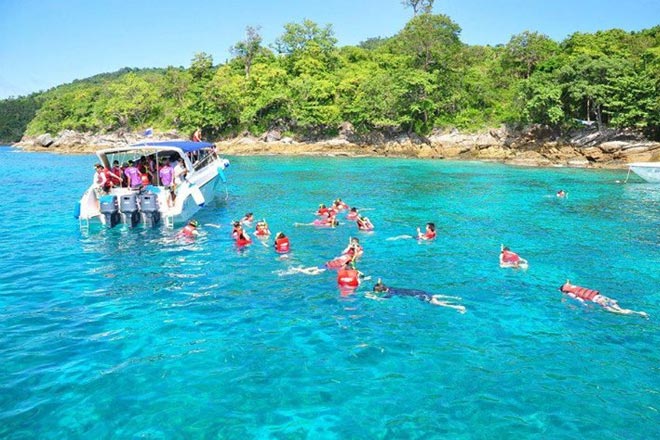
(649, 171)
(152, 202)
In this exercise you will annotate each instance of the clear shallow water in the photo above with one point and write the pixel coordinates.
(132, 334)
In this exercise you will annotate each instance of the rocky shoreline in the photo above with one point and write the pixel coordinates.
(536, 146)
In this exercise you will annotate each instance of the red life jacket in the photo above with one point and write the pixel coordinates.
(282, 245)
(580, 292)
(339, 262)
(262, 232)
(117, 172)
(243, 240)
(429, 235)
(348, 278)
(510, 257)
(188, 231)
(145, 179)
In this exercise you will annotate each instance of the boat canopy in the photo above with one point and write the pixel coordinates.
(186, 146)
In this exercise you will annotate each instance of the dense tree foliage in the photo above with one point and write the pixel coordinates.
(420, 79)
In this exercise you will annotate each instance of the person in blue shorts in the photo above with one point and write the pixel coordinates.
(381, 292)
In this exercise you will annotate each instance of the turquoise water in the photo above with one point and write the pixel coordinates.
(133, 334)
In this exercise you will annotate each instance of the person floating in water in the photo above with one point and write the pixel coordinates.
(511, 259)
(235, 229)
(364, 224)
(583, 294)
(429, 234)
(561, 193)
(353, 250)
(261, 229)
(348, 277)
(322, 211)
(282, 244)
(339, 205)
(352, 214)
(190, 230)
(247, 219)
(241, 236)
(381, 291)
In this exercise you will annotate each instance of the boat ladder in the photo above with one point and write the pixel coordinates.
(84, 224)
(169, 221)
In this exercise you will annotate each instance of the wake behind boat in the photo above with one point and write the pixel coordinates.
(171, 195)
(649, 171)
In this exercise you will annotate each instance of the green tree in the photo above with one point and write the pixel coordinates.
(201, 67)
(305, 44)
(430, 40)
(524, 52)
(248, 49)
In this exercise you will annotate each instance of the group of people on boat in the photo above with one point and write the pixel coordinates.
(168, 173)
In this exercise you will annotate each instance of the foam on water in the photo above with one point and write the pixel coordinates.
(133, 333)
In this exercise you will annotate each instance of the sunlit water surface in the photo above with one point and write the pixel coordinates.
(135, 334)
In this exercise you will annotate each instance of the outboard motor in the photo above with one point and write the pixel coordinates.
(129, 209)
(149, 208)
(110, 210)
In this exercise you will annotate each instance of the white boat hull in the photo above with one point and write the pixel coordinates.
(649, 171)
(154, 204)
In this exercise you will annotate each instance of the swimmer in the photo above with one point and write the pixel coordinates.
(381, 292)
(561, 193)
(190, 230)
(429, 234)
(339, 205)
(322, 211)
(236, 227)
(261, 229)
(511, 259)
(348, 277)
(354, 250)
(583, 294)
(352, 214)
(247, 219)
(364, 224)
(242, 237)
(282, 244)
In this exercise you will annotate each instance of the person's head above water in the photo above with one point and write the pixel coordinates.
(193, 223)
(379, 286)
(431, 226)
(280, 235)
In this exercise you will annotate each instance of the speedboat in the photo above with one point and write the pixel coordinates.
(197, 176)
(649, 171)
